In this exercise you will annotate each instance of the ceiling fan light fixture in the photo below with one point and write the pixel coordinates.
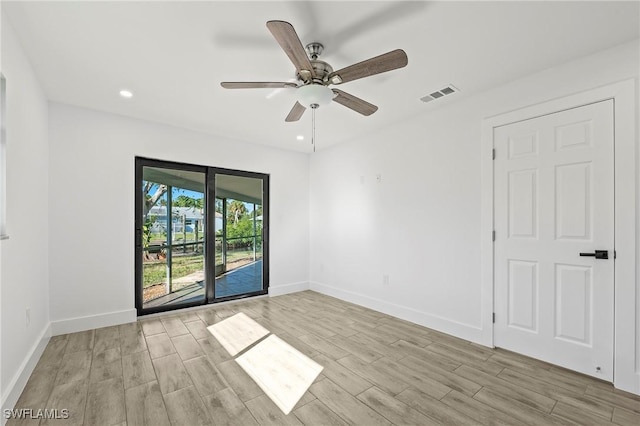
(314, 94)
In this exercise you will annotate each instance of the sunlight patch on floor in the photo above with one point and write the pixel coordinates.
(281, 371)
(237, 333)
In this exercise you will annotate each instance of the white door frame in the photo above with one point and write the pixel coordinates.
(626, 376)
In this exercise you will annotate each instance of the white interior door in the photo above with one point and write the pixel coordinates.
(554, 178)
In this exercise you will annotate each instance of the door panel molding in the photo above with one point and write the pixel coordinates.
(627, 346)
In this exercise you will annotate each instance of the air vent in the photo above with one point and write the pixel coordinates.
(440, 93)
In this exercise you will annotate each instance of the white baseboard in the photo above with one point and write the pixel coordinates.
(279, 290)
(20, 378)
(628, 383)
(444, 325)
(73, 325)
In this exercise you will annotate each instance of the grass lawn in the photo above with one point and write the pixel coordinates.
(154, 272)
(177, 236)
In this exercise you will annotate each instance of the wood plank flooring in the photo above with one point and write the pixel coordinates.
(378, 370)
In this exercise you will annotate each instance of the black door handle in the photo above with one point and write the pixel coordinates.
(598, 254)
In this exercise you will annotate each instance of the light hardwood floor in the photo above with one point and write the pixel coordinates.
(378, 370)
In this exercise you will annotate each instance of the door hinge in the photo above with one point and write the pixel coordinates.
(494, 317)
(493, 154)
(493, 235)
(615, 254)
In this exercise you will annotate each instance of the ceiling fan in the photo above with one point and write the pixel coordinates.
(314, 76)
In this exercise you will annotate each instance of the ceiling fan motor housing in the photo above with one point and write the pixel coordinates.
(321, 69)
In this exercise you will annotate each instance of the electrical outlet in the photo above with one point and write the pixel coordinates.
(28, 316)
(385, 279)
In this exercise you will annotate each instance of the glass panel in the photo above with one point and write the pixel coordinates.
(173, 237)
(238, 235)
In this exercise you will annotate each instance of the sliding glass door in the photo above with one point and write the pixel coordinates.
(239, 235)
(200, 235)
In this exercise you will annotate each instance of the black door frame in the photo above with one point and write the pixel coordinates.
(209, 251)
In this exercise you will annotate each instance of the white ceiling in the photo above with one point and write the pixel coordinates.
(173, 55)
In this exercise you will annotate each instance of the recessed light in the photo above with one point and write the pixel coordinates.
(300, 137)
(126, 94)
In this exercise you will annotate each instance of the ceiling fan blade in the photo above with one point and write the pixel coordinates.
(354, 103)
(256, 85)
(295, 113)
(383, 63)
(288, 39)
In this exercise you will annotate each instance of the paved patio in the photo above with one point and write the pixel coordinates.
(245, 279)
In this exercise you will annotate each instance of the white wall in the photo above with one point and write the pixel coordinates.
(421, 223)
(1, 385)
(91, 196)
(24, 274)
